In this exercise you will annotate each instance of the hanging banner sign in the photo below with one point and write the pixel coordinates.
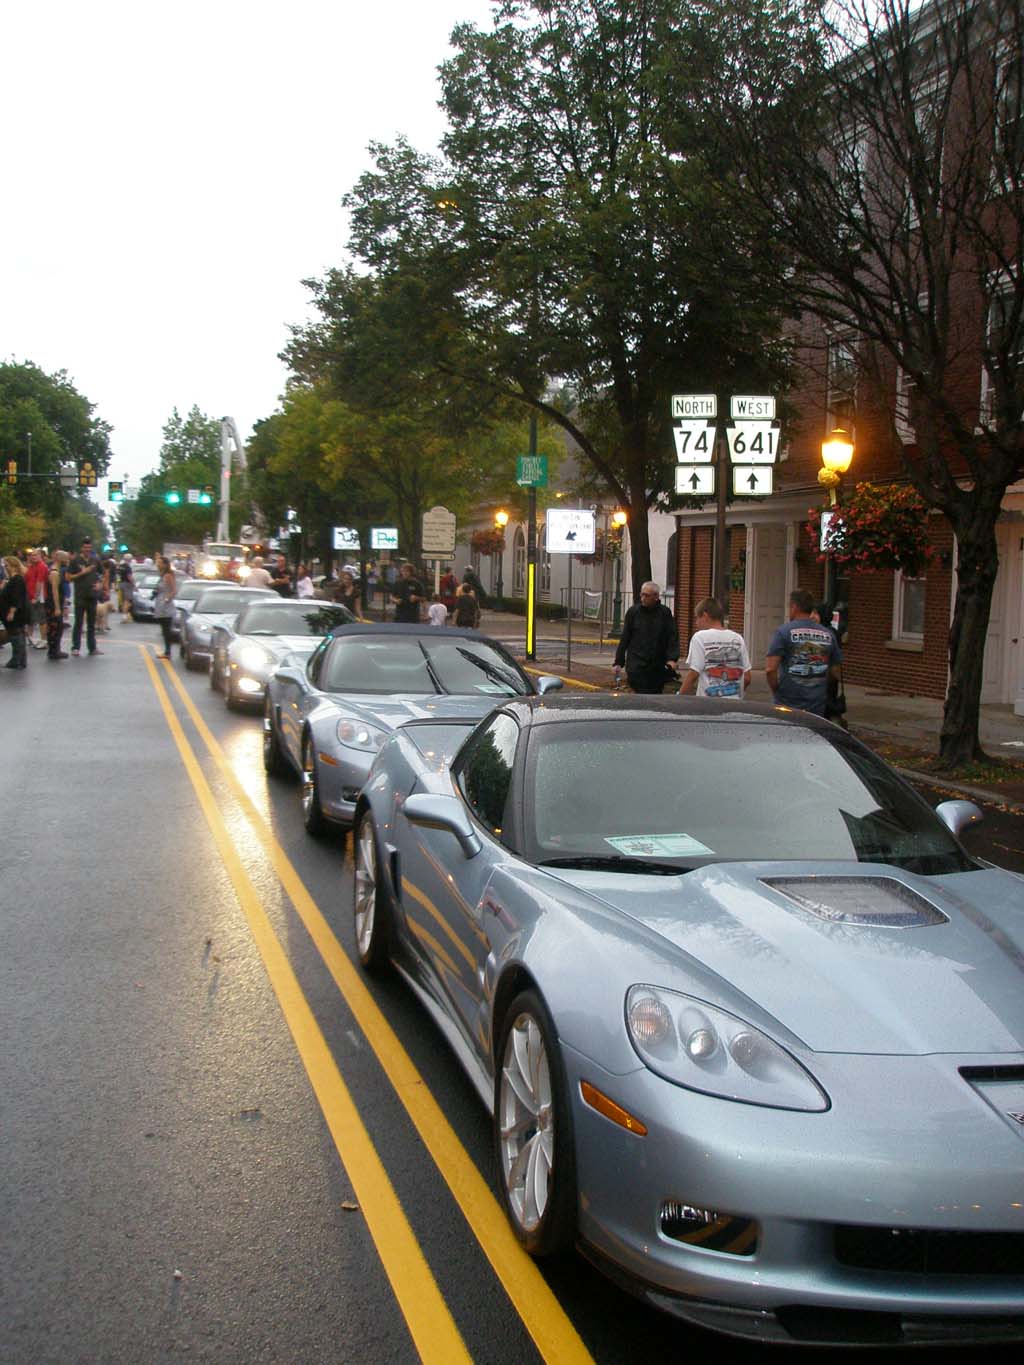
(346, 538)
(383, 537)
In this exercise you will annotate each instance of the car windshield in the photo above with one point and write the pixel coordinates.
(279, 618)
(188, 592)
(146, 580)
(227, 601)
(422, 664)
(696, 791)
(224, 551)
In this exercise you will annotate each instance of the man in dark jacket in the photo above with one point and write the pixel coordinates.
(649, 641)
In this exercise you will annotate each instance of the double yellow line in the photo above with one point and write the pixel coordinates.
(427, 1315)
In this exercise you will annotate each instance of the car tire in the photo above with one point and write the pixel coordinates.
(231, 700)
(190, 663)
(274, 761)
(215, 674)
(533, 1139)
(372, 916)
(183, 652)
(309, 792)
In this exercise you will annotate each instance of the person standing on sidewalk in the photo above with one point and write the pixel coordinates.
(163, 602)
(649, 643)
(802, 656)
(717, 661)
(36, 573)
(55, 593)
(85, 574)
(407, 594)
(14, 609)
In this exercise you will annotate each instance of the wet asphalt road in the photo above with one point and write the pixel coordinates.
(170, 1186)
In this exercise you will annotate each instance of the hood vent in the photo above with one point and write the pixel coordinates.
(881, 902)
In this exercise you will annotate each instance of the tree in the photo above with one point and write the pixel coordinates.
(192, 438)
(46, 423)
(891, 164)
(561, 240)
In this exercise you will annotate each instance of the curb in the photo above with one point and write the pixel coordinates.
(984, 794)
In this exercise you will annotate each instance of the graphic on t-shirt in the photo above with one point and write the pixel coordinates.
(723, 667)
(811, 654)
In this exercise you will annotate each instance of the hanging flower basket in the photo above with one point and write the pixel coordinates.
(489, 542)
(881, 527)
(599, 551)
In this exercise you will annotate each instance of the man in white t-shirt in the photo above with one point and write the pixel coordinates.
(258, 575)
(717, 661)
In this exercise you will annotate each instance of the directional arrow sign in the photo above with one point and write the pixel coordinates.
(695, 441)
(697, 480)
(751, 480)
(753, 442)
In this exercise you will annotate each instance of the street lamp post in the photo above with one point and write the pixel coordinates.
(500, 522)
(836, 458)
(619, 520)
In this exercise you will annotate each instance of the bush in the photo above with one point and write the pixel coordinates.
(547, 611)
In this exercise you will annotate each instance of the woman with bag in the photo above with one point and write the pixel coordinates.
(14, 613)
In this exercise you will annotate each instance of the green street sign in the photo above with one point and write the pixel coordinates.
(532, 471)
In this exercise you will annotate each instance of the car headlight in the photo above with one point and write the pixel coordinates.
(251, 656)
(243, 572)
(703, 1048)
(355, 734)
(208, 568)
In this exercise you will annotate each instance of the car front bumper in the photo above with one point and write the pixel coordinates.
(784, 1195)
(341, 773)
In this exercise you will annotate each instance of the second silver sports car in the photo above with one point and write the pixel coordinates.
(749, 1019)
(327, 716)
(247, 648)
(215, 605)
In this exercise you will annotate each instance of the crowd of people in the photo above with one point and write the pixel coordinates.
(42, 594)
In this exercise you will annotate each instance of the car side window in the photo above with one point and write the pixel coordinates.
(316, 661)
(485, 775)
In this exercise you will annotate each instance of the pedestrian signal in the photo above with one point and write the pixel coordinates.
(12, 471)
(115, 490)
(172, 497)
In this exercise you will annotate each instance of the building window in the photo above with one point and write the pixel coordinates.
(1009, 123)
(519, 563)
(906, 408)
(926, 150)
(842, 383)
(908, 608)
(1004, 340)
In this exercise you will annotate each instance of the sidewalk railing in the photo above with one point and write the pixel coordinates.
(598, 607)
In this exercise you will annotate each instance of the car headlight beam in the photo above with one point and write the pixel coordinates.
(697, 1045)
(253, 657)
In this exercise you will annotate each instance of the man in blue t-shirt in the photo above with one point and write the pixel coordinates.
(802, 655)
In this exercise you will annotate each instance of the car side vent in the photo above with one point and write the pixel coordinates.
(881, 902)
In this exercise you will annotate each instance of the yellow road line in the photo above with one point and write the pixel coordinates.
(543, 1316)
(427, 1315)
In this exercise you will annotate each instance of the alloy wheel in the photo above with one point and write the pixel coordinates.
(526, 1123)
(366, 888)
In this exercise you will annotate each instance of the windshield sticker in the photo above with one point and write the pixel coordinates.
(658, 845)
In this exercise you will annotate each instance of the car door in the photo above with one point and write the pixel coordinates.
(295, 699)
(442, 891)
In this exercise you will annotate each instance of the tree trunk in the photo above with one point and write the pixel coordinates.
(977, 566)
(639, 538)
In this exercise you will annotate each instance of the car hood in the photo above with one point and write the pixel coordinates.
(949, 979)
(279, 645)
(398, 708)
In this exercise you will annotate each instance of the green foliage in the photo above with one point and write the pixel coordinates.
(64, 429)
(189, 458)
(194, 439)
(566, 236)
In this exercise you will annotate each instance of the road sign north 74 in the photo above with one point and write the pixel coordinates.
(695, 441)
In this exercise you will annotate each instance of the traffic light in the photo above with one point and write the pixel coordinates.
(107, 547)
(172, 497)
(87, 474)
(115, 490)
(123, 549)
(12, 472)
(206, 496)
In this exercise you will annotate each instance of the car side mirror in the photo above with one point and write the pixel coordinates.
(289, 675)
(443, 812)
(547, 682)
(959, 815)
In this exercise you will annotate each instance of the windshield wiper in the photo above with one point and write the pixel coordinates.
(493, 672)
(616, 862)
(432, 671)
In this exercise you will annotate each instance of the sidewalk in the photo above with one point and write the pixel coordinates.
(902, 729)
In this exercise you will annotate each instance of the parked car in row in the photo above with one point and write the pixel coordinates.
(213, 607)
(326, 717)
(248, 647)
(144, 583)
(748, 1018)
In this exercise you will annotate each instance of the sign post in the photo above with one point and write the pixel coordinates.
(570, 531)
(532, 473)
(437, 538)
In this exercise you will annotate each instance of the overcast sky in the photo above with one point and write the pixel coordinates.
(172, 174)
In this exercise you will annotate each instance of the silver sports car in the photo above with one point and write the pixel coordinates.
(188, 593)
(215, 605)
(247, 648)
(749, 1019)
(327, 716)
